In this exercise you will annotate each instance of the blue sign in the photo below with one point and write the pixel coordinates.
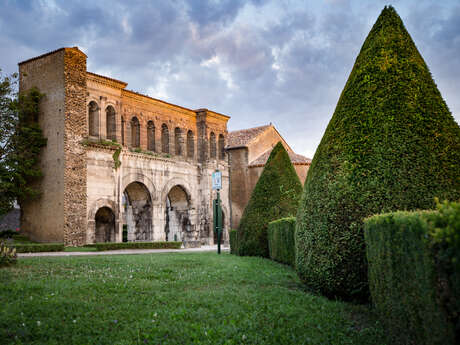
(216, 180)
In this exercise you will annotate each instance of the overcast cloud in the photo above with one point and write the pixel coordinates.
(258, 61)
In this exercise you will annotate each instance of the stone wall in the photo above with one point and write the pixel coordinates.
(43, 219)
(84, 195)
(76, 128)
(240, 189)
(158, 172)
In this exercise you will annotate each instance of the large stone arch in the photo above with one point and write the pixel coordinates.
(138, 210)
(180, 223)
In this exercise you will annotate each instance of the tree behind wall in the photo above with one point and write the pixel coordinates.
(392, 144)
(21, 140)
(276, 195)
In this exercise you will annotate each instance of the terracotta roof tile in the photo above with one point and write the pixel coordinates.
(296, 159)
(243, 137)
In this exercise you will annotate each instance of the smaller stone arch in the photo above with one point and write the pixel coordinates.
(122, 130)
(178, 141)
(190, 144)
(151, 136)
(104, 225)
(179, 182)
(212, 145)
(164, 138)
(111, 123)
(221, 145)
(93, 119)
(139, 177)
(135, 132)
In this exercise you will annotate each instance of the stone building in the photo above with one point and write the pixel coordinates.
(161, 191)
(248, 151)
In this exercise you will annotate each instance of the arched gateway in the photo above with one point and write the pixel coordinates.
(105, 225)
(138, 210)
(178, 226)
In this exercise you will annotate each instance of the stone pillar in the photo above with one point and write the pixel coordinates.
(75, 129)
(202, 137)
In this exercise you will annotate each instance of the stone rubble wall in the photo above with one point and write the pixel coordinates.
(76, 129)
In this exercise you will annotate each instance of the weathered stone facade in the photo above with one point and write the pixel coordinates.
(248, 151)
(162, 189)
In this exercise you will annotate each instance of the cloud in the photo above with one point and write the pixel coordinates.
(258, 61)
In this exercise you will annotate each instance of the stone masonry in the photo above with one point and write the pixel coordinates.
(162, 189)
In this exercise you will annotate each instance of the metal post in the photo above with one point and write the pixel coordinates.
(219, 222)
(217, 209)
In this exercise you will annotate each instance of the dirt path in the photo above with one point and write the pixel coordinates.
(127, 251)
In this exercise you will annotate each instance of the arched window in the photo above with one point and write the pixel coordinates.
(178, 141)
(93, 119)
(135, 132)
(190, 144)
(150, 136)
(221, 146)
(212, 145)
(164, 139)
(122, 130)
(110, 122)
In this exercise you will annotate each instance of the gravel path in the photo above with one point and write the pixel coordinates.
(128, 251)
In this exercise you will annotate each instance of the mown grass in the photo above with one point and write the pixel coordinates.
(174, 298)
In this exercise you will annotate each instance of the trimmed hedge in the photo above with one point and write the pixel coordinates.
(38, 247)
(135, 245)
(281, 242)
(392, 144)
(232, 234)
(275, 195)
(414, 273)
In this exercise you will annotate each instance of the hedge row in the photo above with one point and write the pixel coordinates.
(414, 273)
(281, 240)
(233, 241)
(38, 247)
(135, 245)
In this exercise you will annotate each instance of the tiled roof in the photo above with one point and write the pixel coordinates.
(242, 137)
(296, 159)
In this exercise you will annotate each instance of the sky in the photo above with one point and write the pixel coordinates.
(283, 62)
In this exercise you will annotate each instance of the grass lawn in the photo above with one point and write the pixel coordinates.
(178, 298)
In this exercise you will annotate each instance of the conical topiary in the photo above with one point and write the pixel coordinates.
(392, 144)
(276, 195)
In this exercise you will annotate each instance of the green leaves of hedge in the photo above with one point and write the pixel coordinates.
(392, 144)
(276, 195)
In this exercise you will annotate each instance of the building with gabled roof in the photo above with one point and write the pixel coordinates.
(248, 151)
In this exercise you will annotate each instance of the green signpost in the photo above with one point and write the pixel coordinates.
(217, 207)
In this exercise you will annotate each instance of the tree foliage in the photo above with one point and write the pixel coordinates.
(21, 140)
(276, 195)
(392, 144)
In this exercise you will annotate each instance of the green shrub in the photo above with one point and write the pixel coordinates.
(275, 195)
(281, 240)
(7, 233)
(135, 245)
(414, 273)
(7, 254)
(232, 234)
(38, 247)
(392, 144)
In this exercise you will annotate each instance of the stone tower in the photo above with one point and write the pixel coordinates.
(59, 215)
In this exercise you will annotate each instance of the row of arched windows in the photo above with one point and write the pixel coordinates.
(215, 148)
